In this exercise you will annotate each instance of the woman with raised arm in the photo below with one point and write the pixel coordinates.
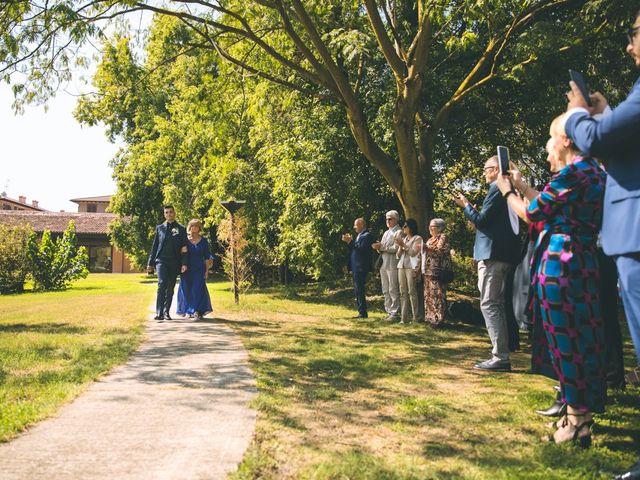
(565, 277)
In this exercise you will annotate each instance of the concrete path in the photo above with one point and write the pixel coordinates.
(177, 410)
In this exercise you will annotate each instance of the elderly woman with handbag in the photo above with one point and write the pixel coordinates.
(437, 271)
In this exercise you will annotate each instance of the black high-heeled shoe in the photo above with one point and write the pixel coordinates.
(558, 409)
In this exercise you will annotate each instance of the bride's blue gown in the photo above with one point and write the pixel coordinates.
(193, 295)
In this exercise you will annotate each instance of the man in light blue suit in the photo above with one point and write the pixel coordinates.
(615, 139)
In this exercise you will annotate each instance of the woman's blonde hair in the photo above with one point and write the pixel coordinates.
(194, 223)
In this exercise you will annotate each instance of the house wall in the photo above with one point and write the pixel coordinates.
(121, 263)
(100, 207)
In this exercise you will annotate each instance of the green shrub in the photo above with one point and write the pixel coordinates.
(14, 257)
(56, 263)
(465, 273)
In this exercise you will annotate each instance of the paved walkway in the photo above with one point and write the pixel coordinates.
(177, 410)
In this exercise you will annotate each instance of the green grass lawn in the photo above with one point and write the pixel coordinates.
(339, 398)
(53, 344)
(342, 398)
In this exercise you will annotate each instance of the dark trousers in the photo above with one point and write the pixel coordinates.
(610, 320)
(167, 274)
(359, 280)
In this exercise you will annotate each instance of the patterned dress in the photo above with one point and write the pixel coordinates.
(565, 277)
(436, 256)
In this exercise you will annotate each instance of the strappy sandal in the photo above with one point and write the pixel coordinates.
(561, 422)
(633, 378)
(579, 434)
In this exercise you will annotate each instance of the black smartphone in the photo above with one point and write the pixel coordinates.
(503, 160)
(579, 80)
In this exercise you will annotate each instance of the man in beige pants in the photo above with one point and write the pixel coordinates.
(387, 249)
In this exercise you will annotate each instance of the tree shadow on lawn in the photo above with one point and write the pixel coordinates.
(59, 328)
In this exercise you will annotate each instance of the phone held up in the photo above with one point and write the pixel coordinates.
(578, 79)
(503, 160)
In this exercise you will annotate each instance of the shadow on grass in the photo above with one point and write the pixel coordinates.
(60, 328)
(346, 369)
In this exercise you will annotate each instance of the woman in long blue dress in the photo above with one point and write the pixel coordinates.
(193, 295)
(565, 278)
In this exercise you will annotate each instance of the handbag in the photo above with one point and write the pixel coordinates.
(445, 276)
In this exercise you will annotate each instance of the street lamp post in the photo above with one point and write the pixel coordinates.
(232, 206)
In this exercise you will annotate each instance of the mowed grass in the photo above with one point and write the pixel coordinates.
(53, 344)
(343, 398)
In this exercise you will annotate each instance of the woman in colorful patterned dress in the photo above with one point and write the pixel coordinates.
(565, 278)
(436, 257)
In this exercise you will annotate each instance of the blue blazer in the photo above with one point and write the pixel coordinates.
(495, 239)
(360, 252)
(177, 240)
(615, 140)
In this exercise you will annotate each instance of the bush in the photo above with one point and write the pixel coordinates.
(14, 257)
(55, 264)
(465, 274)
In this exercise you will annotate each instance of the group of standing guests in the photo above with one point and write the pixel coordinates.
(405, 258)
(179, 250)
(590, 147)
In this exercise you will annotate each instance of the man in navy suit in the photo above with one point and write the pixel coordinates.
(496, 249)
(614, 139)
(359, 261)
(168, 257)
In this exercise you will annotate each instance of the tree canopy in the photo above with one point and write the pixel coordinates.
(289, 103)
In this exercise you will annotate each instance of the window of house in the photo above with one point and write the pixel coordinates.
(92, 207)
(99, 259)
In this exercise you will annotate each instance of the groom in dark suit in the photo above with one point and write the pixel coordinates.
(168, 258)
(359, 261)
(614, 139)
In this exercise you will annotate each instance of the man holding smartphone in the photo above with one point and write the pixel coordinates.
(495, 249)
(614, 140)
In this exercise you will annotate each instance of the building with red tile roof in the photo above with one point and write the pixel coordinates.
(7, 203)
(92, 231)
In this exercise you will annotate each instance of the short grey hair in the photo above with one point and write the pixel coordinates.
(393, 213)
(438, 223)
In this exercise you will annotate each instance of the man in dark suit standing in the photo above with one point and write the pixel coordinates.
(359, 261)
(168, 258)
(614, 139)
(496, 248)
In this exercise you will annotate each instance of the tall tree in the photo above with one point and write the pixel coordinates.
(428, 55)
